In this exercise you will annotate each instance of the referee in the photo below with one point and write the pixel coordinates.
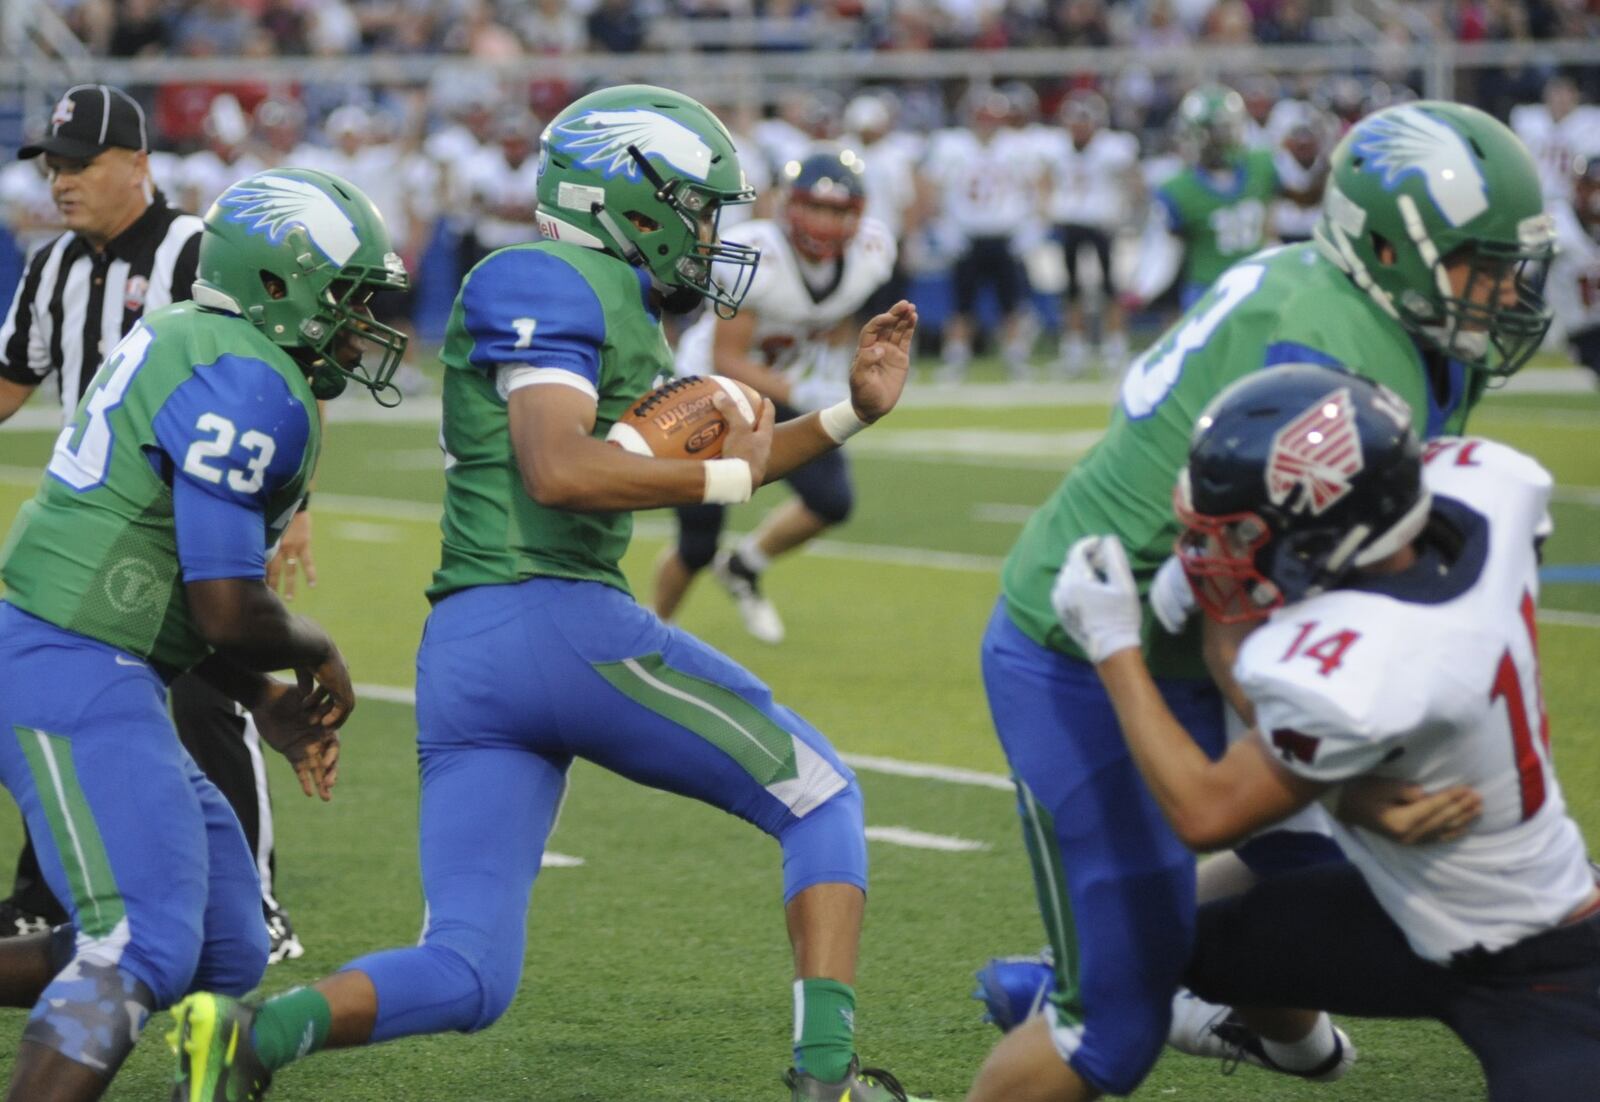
(125, 251)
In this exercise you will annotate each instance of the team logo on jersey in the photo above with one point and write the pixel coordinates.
(63, 112)
(600, 140)
(1317, 453)
(1408, 141)
(273, 205)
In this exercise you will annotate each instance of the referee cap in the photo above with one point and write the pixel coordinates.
(88, 120)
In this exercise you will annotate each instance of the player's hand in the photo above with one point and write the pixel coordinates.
(1171, 595)
(1096, 598)
(294, 554)
(882, 361)
(1405, 813)
(330, 698)
(749, 442)
(286, 720)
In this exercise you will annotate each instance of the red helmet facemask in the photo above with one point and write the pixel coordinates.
(1219, 557)
(821, 229)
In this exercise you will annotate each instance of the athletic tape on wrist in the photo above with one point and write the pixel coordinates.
(840, 422)
(728, 482)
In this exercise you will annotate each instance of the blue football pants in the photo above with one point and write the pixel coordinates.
(513, 683)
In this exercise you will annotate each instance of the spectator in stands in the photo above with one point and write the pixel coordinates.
(617, 26)
(141, 28)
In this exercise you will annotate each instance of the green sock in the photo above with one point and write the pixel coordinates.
(293, 1025)
(824, 1028)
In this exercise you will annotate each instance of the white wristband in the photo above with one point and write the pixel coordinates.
(728, 482)
(840, 422)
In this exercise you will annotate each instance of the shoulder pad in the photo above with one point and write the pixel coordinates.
(1494, 478)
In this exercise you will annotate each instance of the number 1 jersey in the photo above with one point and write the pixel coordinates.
(193, 403)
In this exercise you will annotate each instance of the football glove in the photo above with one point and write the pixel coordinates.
(1096, 599)
(1171, 595)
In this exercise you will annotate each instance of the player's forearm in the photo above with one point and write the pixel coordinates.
(251, 627)
(590, 476)
(1180, 777)
(796, 443)
(12, 396)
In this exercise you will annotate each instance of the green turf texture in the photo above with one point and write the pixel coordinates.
(659, 969)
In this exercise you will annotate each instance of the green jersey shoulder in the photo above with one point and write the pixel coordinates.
(195, 426)
(546, 314)
(1283, 305)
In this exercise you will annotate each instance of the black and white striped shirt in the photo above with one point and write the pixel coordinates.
(74, 304)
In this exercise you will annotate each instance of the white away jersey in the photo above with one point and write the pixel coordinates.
(1573, 287)
(791, 321)
(1432, 676)
(984, 190)
(1089, 186)
(1555, 144)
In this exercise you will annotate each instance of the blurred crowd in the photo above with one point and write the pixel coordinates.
(500, 29)
(453, 168)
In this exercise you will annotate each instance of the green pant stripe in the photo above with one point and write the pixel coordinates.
(714, 712)
(72, 827)
(1055, 904)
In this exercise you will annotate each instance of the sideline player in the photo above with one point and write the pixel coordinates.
(1424, 281)
(1398, 588)
(143, 555)
(792, 340)
(549, 344)
(1574, 286)
(1214, 212)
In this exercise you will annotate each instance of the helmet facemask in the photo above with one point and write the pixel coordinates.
(337, 313)
(1219, 558)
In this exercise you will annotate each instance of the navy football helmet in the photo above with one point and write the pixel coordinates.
(1297, 475)
(826, 193)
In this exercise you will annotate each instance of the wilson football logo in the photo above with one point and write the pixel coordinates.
(1316, 454)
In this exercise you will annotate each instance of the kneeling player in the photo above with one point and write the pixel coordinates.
(792, 341)
(1398, 589)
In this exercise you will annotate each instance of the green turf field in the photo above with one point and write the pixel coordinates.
(658, 969)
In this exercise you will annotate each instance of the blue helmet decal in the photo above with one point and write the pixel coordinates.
(599, 140)
(1408, 141)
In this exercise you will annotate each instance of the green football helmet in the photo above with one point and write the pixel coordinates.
(643, 173)
(326, 246)
(1418, 190)
(1211, 126)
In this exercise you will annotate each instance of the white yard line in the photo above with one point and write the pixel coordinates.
(916, 839)
(552, 860)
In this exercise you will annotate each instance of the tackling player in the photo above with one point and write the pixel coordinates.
(143, 555)
(1398, 586)
(791, 340)
(1422, 276)
(536, 653)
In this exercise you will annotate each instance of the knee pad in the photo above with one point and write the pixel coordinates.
(699, 529)
(434, 988)
(826, 846)
(92, 1012)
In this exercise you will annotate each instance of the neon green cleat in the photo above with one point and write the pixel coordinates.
(858, 1085)
(216, 1056)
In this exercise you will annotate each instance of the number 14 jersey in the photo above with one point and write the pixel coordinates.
(1432, 676)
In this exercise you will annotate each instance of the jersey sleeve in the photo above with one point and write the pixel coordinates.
(1170, 211)
(233, 435)
(1494, 478)
(527, 309)
(1331, 702)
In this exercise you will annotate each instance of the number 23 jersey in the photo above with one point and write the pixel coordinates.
(193, 405)
(1432, 676)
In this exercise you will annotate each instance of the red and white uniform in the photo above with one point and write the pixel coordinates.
(1573, 286)
(796, 303)
(495, 187)
(1555, 144)
(1439, 688)
(1089, 186)
(985, 190)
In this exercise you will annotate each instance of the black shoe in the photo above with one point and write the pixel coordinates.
(16, 922)
(283, 944)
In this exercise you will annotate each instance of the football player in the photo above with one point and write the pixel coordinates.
(549, 344)
(1092, 181)
(1557, 132)
(791, 340)
(1398, 588)
(142, 555)
(1423, 275)
(1574, 286)
(1214, 212)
